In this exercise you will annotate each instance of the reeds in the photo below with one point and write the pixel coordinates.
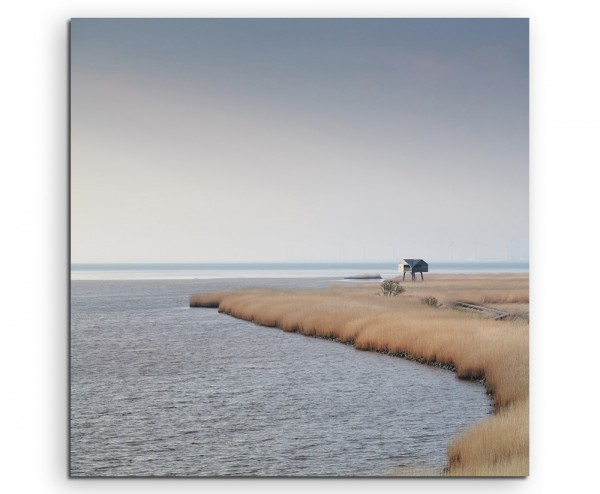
(208, 300)
(477, 348)
(507, 431)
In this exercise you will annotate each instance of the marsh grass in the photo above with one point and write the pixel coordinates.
(476, 348)
(207, 300)
(508, 431)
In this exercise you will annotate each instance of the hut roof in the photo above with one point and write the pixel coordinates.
(414, 262)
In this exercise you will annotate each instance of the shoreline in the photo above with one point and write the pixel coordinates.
(495, 353)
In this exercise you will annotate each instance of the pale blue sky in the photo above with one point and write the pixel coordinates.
(299, 140)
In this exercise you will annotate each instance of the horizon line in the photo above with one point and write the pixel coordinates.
(176, 263)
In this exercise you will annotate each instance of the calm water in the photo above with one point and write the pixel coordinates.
(160, 389)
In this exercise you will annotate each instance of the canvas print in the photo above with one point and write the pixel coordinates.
(299, 248)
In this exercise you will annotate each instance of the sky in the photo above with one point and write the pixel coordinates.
(290, 140)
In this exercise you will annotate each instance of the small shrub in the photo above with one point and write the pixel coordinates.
(391, 288)
(431, 301)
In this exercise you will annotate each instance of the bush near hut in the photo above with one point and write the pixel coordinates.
(391, 288)
(432, 301)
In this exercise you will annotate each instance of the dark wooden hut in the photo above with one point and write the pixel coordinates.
(413, 266)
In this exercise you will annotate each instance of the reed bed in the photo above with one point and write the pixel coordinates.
(496, 352)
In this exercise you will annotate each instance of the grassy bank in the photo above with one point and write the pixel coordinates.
(474, 346)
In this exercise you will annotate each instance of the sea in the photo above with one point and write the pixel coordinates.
(126, 271)
(159, 389)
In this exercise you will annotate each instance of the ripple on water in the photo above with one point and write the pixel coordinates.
(174, 392)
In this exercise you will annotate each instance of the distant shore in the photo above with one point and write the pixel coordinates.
(421, 324)
(180, 271)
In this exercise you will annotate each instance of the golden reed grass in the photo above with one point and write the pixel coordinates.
(476, 347)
